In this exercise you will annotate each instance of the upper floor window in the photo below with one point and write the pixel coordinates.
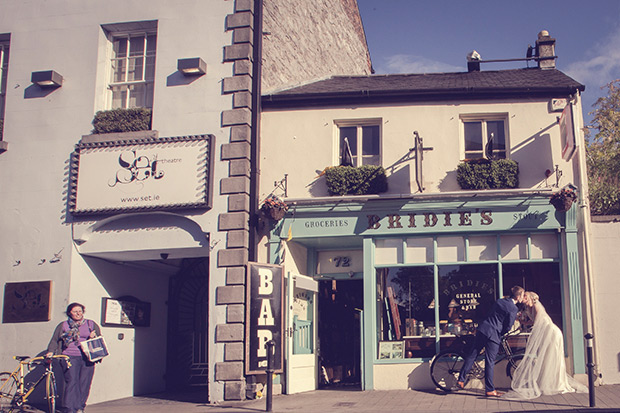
(485, 137)
(364, 140)
(132, 64)
(4, 66)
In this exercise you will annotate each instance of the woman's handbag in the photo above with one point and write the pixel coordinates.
(95, 348)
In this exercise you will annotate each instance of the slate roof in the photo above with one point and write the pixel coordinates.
(464, 85)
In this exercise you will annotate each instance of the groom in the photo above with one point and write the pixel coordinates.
(489, 334)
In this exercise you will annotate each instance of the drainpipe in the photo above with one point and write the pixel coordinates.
(257, 56)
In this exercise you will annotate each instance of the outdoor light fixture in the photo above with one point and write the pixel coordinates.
(193, 66)
(46, 79)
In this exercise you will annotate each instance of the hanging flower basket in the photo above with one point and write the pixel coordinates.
(274, 208)
(563, 200)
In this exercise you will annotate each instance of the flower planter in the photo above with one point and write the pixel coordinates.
(562, 201)
(275, 213)
(274, 208)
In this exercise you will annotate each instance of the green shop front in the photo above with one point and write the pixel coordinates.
(377, 286)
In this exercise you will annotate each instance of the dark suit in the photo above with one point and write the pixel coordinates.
(490, 331)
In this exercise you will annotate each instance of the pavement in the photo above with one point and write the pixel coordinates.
(607, 399)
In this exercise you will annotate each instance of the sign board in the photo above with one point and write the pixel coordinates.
(264, 320)
(141, 174)
(567, 132)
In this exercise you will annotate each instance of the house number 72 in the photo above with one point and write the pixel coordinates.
(342, 261)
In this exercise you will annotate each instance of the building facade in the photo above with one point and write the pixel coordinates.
(148, 229)
(380, 282)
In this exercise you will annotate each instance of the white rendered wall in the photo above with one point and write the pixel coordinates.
(605, 238)
(41, 132)
(290, 135)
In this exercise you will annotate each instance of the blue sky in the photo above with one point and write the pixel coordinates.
(424, 36)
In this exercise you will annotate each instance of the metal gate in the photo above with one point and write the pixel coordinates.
(188, 310)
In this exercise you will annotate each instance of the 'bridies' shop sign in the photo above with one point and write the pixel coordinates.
(264, 320)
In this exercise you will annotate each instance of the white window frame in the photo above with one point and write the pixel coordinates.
(484, 118)
(126, 30)
(4, 66)
(359, 124)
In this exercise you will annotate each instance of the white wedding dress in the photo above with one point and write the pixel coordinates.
(543, 368)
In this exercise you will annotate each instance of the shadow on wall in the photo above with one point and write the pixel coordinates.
(534, 156)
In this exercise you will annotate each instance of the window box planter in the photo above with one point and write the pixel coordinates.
(351, 180)
(122, 120)
(488, 174)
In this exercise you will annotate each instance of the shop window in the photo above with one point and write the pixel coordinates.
(406, 310)
(450, 249)
(364, 139)
(544, 246)
(483, 248)
(484, 136)
(389, 251)
(419, 250)
(132, 64)
(513, 247)
(4, 66)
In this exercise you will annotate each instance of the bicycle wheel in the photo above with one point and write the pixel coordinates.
(8, 388)
(445, 369)
(50, 392)
(512, 365)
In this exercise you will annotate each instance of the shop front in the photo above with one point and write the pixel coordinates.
(400, 279)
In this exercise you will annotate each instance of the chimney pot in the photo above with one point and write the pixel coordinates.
(545, 50)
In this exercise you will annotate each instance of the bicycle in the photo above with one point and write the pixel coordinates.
(447, 364)
(14, 392)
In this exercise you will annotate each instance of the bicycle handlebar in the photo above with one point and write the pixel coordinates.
(34, 360)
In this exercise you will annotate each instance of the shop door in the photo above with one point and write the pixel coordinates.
(301, 334)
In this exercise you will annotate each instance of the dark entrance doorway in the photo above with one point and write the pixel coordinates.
(340, 302)
(188, 310)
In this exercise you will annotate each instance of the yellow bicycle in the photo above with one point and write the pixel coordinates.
(14, 391)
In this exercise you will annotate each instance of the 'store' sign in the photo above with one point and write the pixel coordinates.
(264, 320)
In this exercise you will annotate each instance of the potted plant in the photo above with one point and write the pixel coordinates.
(563, 200)
(488, 174)
(274, 207)
(351, 180)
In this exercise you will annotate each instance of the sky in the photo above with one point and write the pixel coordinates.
(429, 36)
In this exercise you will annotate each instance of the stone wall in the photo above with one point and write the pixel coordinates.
(305, 41)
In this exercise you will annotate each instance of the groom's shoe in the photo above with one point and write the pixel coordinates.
(494, 393)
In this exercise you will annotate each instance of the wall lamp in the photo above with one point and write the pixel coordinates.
(193, 66)
(46, 79)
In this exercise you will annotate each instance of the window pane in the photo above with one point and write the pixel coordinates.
(136, 47)
(150, 68)
(450, 249)
(482, 248)
(151, 41)
(119, 97)
(466, 294)
(544, 246)
(120, 47)
(514, 247)
(350, 133)
(137, 96)
(135, 69)
(370, 140)
(118, 70)
(419, 250)
(497, 129)
(406, 309)
(473, 136)
(389, 251)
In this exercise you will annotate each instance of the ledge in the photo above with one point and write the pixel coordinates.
(3, 146)
(116, 136)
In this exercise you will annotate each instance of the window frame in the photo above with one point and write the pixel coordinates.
(5, 51)
(115, 32)
(359, 124)
(484, 118)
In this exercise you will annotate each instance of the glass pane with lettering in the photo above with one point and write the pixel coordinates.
(466, 294)
(406, 309)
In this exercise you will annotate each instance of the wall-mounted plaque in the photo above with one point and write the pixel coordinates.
(125, 312)
(141, 174)
(26, 301)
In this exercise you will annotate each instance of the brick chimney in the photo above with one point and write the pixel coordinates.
(545, 50)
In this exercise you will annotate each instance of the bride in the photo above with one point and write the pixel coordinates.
(542, 370)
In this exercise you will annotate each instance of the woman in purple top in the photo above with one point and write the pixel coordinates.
(66, 340)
